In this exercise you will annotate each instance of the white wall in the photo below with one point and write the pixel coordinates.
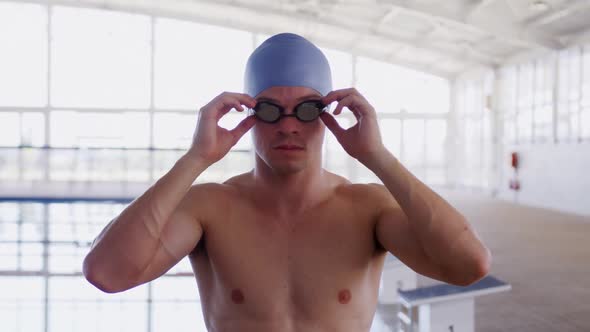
(554, 176)
(539, 107)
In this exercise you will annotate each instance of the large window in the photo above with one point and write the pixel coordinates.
(65, 230)
(474, 127)
(546, 99)
(412, 109)
(119, 83)
(23, 59)
(103, 62)
(192, 66)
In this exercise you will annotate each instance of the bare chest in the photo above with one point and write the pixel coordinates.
(322, 261)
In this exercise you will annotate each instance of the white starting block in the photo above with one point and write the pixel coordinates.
(444, 308)
(396, 275)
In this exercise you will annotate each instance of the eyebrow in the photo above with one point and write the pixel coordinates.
(298, 99)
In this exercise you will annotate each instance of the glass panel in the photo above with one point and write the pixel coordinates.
(23, 60)
(66, 258)
(563, 129)
(391, 135)
(575, 124)
(586, 76)
(164, 160)
(234, 163)
(86, 129)
(21, 304)
(341, 67)
(413, 143)
(574, 74)
(8, 254)
(585, 123)
(99, 165)
(183, 267)
(473, 141)
(379, 81)
(563, 83)
(192, 66)
(509, 131)
(31, 257)
(9, 129)
(174, 130)
(436, 176)
(33, 129)
(335, 158)
(176, 303)
(229, 122)
(436, 136)
(524, 124)
(100, 58)
(8, 231)
(507, 101)
(525, 85)
(75, 305)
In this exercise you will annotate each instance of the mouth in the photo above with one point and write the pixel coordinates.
(288, 147)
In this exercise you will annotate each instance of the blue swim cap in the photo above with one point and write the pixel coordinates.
(287, 59)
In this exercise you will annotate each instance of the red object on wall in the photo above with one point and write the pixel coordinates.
(514, 185)
(514, 160)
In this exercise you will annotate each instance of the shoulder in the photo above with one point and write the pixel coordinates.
(213, 195)
(364, 191)
(372, 196)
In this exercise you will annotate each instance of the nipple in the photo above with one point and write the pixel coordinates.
(237, 296)
(344, 296)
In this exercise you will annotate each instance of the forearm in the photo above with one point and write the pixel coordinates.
(445, 234)
(128, 243)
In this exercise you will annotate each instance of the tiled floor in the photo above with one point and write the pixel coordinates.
(544, 254)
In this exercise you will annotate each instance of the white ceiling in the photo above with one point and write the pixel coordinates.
(443, 37)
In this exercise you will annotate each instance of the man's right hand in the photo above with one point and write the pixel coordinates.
(210, 141)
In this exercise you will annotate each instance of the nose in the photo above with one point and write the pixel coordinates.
(289, 125)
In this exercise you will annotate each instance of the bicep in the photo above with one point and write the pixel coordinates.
(395, 234)
(179, 237)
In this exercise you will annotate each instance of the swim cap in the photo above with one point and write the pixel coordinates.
(287, 59)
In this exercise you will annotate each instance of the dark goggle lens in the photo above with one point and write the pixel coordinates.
(267, 112)
(309, 111)
(305, 112)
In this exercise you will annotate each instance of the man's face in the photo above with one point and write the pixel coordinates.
(289, 145)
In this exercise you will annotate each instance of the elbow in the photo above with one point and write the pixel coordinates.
(473, 272)
(98, 278)
(479, 269)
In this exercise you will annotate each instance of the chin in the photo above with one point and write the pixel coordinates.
(287, 167)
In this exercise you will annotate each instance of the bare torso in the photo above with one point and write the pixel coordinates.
(316, 271)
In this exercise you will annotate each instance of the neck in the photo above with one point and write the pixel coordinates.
(291, 192)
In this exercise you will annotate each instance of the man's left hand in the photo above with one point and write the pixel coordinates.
(363, 140)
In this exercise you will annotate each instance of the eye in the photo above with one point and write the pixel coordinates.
(309, 111)
(267, 112)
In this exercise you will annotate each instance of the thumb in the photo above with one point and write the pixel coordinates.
(243, 127)
(332, 124)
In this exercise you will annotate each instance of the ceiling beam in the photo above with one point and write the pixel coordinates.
(565, 9)
(518, 36)
(578, 38)
(475, 7)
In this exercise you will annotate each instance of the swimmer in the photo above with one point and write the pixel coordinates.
(287, 246)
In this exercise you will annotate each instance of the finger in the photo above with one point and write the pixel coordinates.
(337, 95)
(231, 100)
(346, 102)
(332, 124)
(228, 106)
(350, 103)
(243, 98)
(243, 127)
(221, 103)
